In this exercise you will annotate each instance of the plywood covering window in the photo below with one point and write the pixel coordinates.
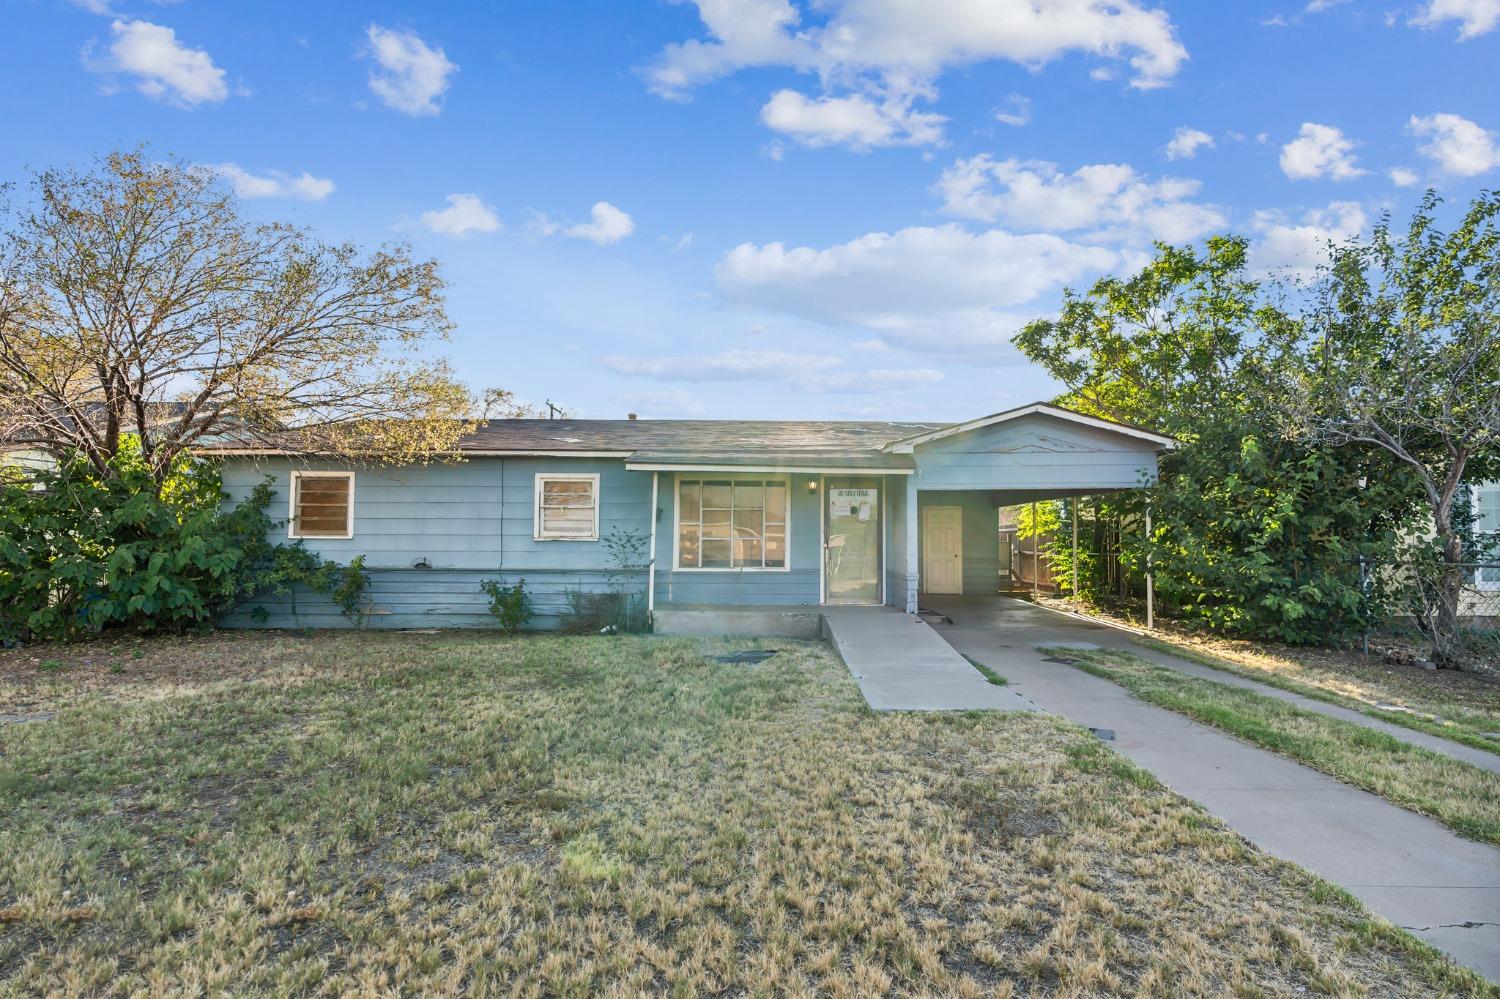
(322, 505)
(567, 508)
(732, 523)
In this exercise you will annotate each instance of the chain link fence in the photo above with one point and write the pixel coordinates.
(1416, 602)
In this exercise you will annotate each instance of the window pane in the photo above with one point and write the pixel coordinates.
(775, 502)
(567, 520)
(691, 502)
(747, 523)
(715, 554)
(322, 506)
(565, 492)
(687, 546)
(1489, 508)
(749, 496)
(747, 552)
(717, 531)
(717, 495)
(776, 547)
(716, 516)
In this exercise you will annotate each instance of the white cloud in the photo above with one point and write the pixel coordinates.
(465, 213)
(810, 372)
(1296, 247)
(1457, 145)
(609, 225)
(874, 58)
(273, 183)
(164, 68)
(1402, 177)
(1015, 111)
(1186, 142)
(1319, 151)
(1111, 200)
(857, 121)
(1474, 17)
(942, 288)
(410, 76)
(903, 42)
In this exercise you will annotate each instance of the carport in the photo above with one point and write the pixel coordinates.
(947, 544)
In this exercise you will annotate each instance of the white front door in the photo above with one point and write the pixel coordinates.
(942, 549)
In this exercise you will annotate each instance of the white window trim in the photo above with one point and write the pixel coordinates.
(677, 565)
(291, 506)
(536, 506)
(1482, 584)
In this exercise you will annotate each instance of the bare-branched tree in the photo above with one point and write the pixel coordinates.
(1399, 350)
(136, 298)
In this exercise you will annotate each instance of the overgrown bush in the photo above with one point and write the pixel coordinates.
(80, 552)
(511, 605)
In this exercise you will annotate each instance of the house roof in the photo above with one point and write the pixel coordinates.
(769, 444)
(666, 439)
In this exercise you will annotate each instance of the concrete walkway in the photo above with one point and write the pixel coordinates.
(1408, 868)
(901, 664)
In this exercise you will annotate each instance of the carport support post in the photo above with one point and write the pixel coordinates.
(1073, 503)
(1036, 555)
(1150, 578)
(911, 543)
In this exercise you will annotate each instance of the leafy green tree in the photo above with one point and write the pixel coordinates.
(1398, 354)
(1252, 534)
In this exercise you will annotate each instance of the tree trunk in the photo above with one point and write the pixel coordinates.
(1443, 595)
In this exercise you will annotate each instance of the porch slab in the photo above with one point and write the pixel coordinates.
(901, 664)
(769, 620)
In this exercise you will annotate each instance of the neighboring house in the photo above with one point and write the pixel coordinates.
(1486, 499)
(732, 514)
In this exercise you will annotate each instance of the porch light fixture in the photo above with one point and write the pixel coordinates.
(812, 485)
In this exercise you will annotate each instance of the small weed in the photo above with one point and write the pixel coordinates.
(50, 665)
(989, 675)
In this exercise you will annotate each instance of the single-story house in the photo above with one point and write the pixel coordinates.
(729, 514)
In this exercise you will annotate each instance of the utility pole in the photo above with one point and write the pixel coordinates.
(552, 411)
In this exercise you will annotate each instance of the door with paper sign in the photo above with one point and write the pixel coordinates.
(853, 524)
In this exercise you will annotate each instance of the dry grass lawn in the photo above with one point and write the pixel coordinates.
(460, 813)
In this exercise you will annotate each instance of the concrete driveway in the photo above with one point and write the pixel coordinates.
(1415, 872)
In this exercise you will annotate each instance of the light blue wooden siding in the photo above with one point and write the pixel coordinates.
(469, 521)
(1036, 452)
(800, 584)
(981, 537)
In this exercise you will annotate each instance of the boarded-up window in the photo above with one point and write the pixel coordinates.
(567, 507)
(731, 524)
(322, 505)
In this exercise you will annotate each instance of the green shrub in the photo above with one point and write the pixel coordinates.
(511, 605)
(80, 552)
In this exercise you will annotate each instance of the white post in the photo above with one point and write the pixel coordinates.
(651, 565)
(1036, 555)
(1150, 579)
(1074, 504)
(912, 576)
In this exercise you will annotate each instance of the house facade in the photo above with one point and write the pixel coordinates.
(725, 514)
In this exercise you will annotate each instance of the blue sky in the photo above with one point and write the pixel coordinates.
(771, 209)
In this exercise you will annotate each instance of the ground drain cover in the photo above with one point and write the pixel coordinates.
(746, 657)
(1059, 659)
(1106, 734)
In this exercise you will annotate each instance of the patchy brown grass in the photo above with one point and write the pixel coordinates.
(376, 813)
